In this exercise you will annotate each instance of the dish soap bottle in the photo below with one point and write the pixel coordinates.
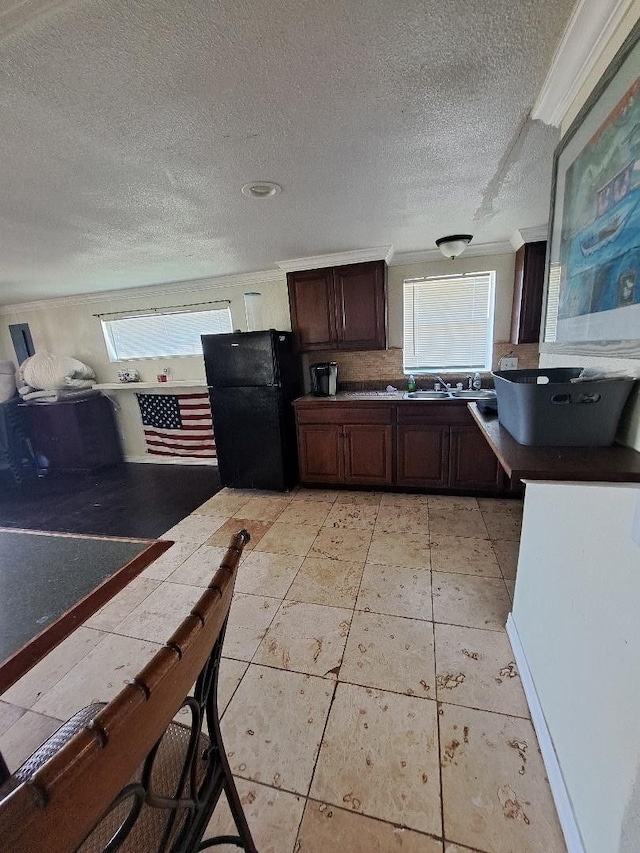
(477, 382)
(411, 383)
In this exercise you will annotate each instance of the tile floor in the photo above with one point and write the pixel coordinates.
(369, 695)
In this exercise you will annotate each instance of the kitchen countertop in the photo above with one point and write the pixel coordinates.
(372, 396)
(613, 464)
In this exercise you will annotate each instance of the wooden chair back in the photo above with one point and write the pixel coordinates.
(60, 804)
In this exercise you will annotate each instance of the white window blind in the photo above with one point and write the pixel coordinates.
(162, 335)
(553, 302)
(448, 322)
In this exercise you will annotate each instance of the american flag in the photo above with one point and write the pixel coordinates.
(177, 424)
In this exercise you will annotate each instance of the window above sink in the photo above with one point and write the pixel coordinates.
(448, 323)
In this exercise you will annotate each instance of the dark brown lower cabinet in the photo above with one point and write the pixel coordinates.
(472, 463)
(420, 445)
(423, 456)
(320, 451)
(368, 454)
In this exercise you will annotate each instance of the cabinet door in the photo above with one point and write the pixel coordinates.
(320, 453)
(527, 293)
(312, 309)
(368, 454)
(360, 306)
(473, 465)
(423, 455)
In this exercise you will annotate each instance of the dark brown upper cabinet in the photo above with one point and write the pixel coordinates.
(527, 293)
(339, 307)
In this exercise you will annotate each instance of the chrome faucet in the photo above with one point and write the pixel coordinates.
(445, 385)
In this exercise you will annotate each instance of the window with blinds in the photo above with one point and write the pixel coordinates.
(448, 322)
(553, 303)
(162, 335)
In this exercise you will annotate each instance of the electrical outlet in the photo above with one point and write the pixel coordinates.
(508, 363)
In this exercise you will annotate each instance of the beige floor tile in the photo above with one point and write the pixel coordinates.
(457, 522)
(291, 539)
(464, 556)
(263, 508)
(195, 528)
(267, 574)
(306, 512)
(160, 613)
(341, 544)
(514, 507)
(503, 525)
(231, 674)
(379, 756)
(98, 677)
(249, 618)
(359, 498)
(402, 519)
(25, 736)
(306, 638)
(256, 529)
(449, 847)
(401, 499)
(470, 601)
(199, 568)
(229, 677)
(222, 504)
(168, 562)
(352, 516)
(390, 653)
(451, 503)
(400, 549)
(122, 604)
(52, 667)
(273, 726)
(495, 792)
(476, 668)
(506, 552)
(273, 817)
(396, 591)
(9, 714)
(511, 587)
(331, 582)
(327, 828)
(316, 495)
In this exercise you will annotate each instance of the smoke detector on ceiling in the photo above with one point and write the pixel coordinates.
(261, 189)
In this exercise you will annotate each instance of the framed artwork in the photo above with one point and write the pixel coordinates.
(592, 289)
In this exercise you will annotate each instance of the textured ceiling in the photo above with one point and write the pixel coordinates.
(128, 129)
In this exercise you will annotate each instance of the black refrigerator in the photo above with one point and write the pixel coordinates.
(253, 377)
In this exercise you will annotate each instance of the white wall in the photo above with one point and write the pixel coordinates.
(576, 612)
(68, 327)
(629, 432)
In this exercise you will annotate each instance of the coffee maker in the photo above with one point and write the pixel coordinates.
(324, 378)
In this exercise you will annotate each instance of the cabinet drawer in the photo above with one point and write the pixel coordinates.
(445, 413)
(333, 413)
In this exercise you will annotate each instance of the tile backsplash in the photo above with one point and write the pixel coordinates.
(383, 367)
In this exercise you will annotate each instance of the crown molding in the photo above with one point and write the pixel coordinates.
(528, 235)
(403, 258)
(590, 27)
(252, 279)
(357, 256)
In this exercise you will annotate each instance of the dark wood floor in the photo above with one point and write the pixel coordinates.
(130, 500)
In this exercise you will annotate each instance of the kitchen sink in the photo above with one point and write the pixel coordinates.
(426, 395)
(474, 395)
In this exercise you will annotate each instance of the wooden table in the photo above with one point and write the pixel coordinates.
(50, 583)
(613, 464)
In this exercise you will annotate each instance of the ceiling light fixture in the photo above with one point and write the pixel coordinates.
(261, 189)
(454, 245)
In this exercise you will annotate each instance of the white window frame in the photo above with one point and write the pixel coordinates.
(410, 364)
(164, 350)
